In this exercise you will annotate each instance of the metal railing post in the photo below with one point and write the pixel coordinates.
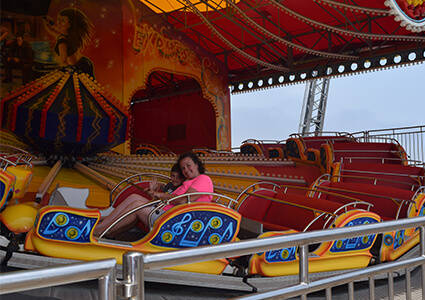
(351, 290)
(133, 286)
(371, 288)
(303, 265)
(107, 289)
(390, 286)
(408, 285)
(329, 294)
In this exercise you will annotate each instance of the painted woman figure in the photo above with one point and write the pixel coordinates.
(72, 31)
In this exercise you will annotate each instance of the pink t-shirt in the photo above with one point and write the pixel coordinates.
(201, 183)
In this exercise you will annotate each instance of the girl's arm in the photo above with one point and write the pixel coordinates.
(162, 196)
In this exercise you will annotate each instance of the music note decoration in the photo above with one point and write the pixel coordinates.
(65, 226)
(399, 239)
(196, 228)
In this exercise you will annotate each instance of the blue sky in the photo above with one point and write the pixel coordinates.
(375, 100)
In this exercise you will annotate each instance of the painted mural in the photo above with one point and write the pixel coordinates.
(71, 69)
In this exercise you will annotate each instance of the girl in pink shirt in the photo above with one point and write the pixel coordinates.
(201, 183)
(192, 169)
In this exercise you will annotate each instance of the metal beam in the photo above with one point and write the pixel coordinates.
(314, 106)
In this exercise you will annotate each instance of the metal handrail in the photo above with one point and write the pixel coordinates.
(135, 263)
(388, 129)
(20, 158)
(397, 216)
(381, 173)
(375, 180)
(317, 182)
(412, 138)
(142, 262)
(345, 206)
(309, 191)
(384, 138)
(213, 151)
(247, 194)
(362, 193)
(127, 214)
(4, 163)
(308, 134)
(367, 151)
(103, 270)
(127, 180)
(258, 142)
(321, 284)
(274, 185)
(239, 248)
(188, 195)
(314, 220)
(294, 204)
(313, 190)
(169, 201)
(383, 159)
(400, 201)
(326, 139)
(420, 190)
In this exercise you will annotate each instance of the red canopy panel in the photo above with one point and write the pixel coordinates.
(262, 39)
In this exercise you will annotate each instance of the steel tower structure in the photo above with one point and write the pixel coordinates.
(314, 106)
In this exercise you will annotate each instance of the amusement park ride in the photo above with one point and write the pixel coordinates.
(76, 141)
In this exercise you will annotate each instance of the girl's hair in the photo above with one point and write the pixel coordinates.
(195, 159)
(176, 169)
(80, 27)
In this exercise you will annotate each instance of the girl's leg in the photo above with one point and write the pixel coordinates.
(143, 216)
(121, 226)
(133, 201)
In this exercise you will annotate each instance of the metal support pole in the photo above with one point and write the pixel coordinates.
(408, 285)
(390, 286)
(314, 106)
(107, 286)
(133, 286)
(371, 288)
(351, 290)
(303, 265)
(329, 294)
